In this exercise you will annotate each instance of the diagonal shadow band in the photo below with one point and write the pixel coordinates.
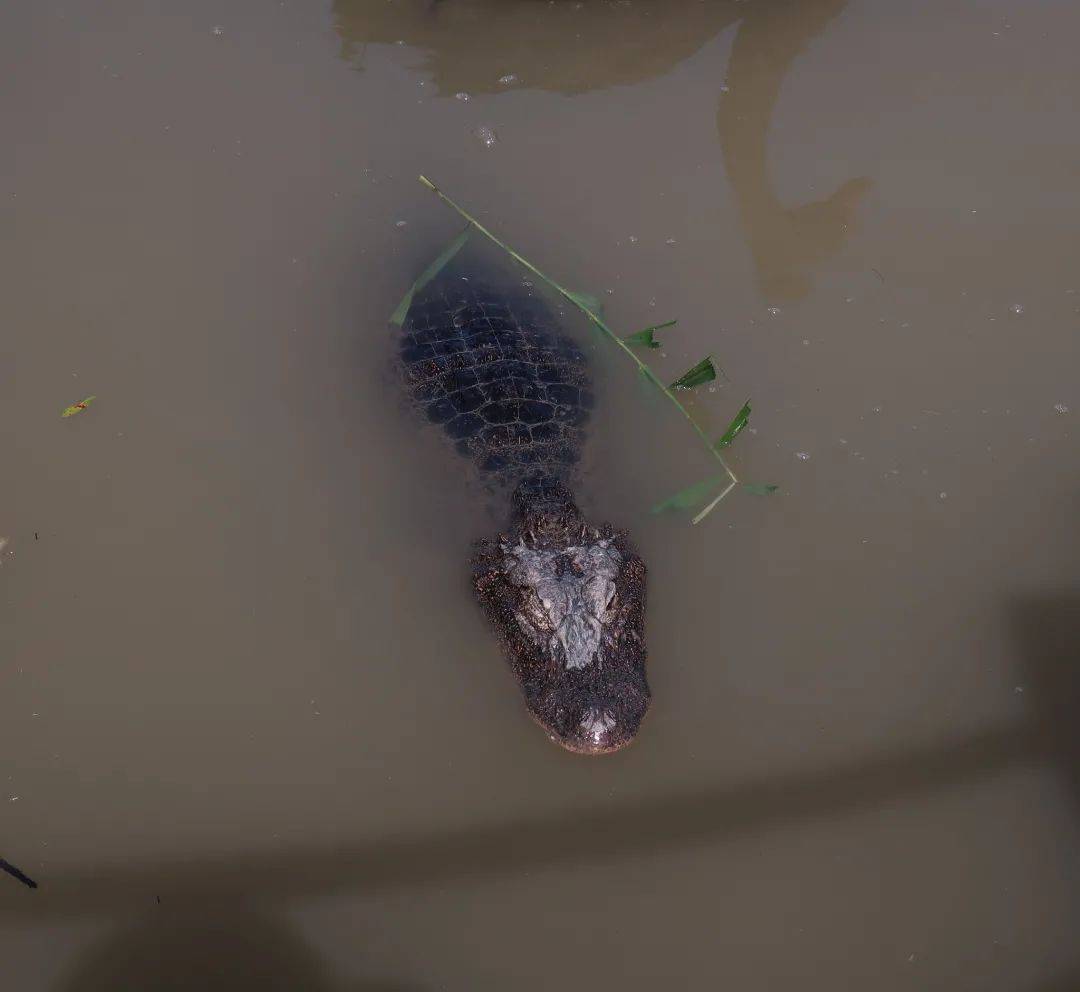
(617, 832)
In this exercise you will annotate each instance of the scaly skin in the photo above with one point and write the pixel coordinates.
(566, 598)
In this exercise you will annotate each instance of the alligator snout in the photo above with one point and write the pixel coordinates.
(568, 600)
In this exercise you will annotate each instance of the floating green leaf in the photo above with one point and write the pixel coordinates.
(742, 418)
(78, 407)
(646, 337)
(586, 301)
(689, 497)
(700, 374)
(704, 371)
(759, 488)
(440, 263)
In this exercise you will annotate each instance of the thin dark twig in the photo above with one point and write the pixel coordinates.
(15, 873)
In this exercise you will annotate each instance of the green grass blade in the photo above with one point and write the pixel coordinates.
(704, 371)
(647, 338)
(700, 374)
(78, 407)
(742, 418)
(689, 497)
(760, 488)
(588, 302)
(440, 263)
(712, 506)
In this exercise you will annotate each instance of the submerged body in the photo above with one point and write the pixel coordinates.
(567, 597)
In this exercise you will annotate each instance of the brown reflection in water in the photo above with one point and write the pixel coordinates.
(565, 47)
(469, 45)
(786, 242)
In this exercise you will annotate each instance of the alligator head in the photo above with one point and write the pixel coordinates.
(568, 601)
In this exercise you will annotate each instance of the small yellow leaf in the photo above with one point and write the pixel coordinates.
(78, 407)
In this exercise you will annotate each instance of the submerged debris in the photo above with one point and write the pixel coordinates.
(486, 135)
(16, 873)
(78, 407)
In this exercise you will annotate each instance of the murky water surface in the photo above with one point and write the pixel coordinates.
(255, 733)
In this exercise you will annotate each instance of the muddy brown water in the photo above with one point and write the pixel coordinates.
(254, 733)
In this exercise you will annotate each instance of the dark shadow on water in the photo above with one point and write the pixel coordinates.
(1048, 637)
(569, 47)
(1066, 983)
(612, 833)
(206, 947)
(203, 902)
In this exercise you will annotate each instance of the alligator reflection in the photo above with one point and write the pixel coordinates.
(469, 45)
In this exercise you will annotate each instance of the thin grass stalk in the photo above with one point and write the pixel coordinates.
(643, 368)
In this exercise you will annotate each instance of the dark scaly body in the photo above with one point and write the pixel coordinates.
(506, 387)
(566, 597)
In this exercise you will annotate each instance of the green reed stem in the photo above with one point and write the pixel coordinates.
(643, 368)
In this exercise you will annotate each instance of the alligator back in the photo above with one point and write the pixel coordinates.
(488, 365)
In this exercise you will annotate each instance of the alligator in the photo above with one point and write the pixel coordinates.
(565, 596)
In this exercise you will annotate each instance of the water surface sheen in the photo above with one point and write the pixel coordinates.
(255, 732)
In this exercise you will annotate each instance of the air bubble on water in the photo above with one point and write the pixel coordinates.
(217, 29)
(712, 389)
(875, 409)
(526, 284)
(670, 241)
(943, 495)
(509, 79)
(1061, 408)
(652, 302)
(1017, 308)
(849, 299)
(633, 239)
(486, 135)
(463, 97)
(400, 223)
(805, 341)
(803, 456)
(774, 311)
(724, 88)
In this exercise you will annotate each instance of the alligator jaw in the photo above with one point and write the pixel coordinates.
(567, 599)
